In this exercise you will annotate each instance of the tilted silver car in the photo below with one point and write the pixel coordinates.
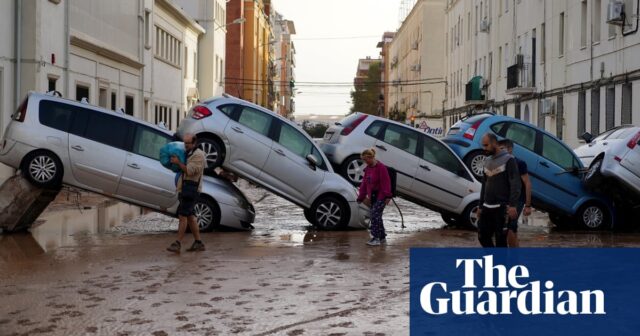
(57, 141)
(275, 153)
(613, 154)
(429, 172)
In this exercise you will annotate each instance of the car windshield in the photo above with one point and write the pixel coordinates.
(348, 120)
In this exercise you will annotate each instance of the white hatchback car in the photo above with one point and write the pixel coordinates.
(55, 141)
(273, 152)
(429, 172)
(613, 154)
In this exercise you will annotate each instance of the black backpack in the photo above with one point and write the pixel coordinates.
(393, 175)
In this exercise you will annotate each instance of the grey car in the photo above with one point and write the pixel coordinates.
(57, 141)
(429, 172)
(275, 153)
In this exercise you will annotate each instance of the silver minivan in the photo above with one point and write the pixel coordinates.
(57, 141)
(275, 153)
(429, 172)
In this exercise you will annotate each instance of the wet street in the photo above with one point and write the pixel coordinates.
(101, 268)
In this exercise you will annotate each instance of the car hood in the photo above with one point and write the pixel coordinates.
(225, 192)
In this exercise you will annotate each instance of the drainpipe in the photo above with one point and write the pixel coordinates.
(141, 46)
(18, 52)
(67, 36)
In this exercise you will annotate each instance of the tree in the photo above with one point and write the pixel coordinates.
(314, 131)
(366, 97)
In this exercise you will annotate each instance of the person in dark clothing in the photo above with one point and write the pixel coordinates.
(524, 204)
(499, 194)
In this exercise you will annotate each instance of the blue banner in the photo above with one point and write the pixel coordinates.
(546, 291)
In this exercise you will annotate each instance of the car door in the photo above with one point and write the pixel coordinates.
(287, 170)
(97, 149)
(397, 148)
(440, 179)
(556, 174)
(524, 148)
(144, 179)
(249, 142)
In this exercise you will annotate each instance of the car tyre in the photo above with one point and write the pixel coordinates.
(469, 216)
(43, 169)
(213, 151)
(329, 213)
(207, 214)
(593, 178)
(353, 169)
(308, 216)
(449, 219)
(593, 216)
(475, 162)
(559, 220)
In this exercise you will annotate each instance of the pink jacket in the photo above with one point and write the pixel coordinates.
(376, 179)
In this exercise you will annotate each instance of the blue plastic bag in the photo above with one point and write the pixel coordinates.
(175, 148)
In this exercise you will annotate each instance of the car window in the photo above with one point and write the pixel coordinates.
(401, 138)
(522, 135)
(555, 152)
(55, 115)
(321, 164)
(148, 142)
(291, 139)
(604, 135)
(227, 109)
(107, 129)
(440, 155)
(374, 128)
(255, 120)
(622, 133)
(498, 128)
(349, 119)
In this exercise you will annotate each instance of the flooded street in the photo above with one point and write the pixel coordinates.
(103, 269)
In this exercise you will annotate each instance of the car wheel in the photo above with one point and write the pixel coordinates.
(207, 214)
(559, 220)
(475, 162)
(43, 169)
(353, 169)
(308, 216)
(592, 216)
(449, 219)
(330, 213)
(593, 178)
(469, 216)
(213, 151)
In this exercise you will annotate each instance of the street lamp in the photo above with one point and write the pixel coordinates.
(236, 21)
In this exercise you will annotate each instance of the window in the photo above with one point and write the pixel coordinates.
(611, 108)
(195, 65)
(499, 128)
(55, 115)
(490, 64)
(595, 111)
(147, 28)
(163, 115)
(543, 43)
(499, 62)
(113, 100)
(560, 118)
(107, 129)
(596, 22)
(627, 91)
(148, 142)
(255, 120)
(401, 138)
(583, 23)
(227, 109)
(291, 139)
(561, 36)
(82, 92)
(102, 97)
(582, 124)
(555, 152)
(374, 129)
(128, 105)
(168, 47)
(439, 155)
(522, 135)
(622, 133)
(52, 84)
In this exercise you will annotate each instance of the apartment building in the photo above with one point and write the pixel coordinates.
(283, 65)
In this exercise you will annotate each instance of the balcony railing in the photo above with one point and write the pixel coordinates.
(520, 79)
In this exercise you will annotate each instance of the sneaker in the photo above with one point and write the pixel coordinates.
(374, 242)
(383, 241)
(174, 247)
(197, 246)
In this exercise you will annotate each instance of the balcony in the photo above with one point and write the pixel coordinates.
(474, 91)
(520, 79)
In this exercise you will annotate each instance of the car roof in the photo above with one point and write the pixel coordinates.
(46, 96)
(400, 124)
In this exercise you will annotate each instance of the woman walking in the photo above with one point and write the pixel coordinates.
(375, 192)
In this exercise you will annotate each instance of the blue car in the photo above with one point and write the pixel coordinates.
(555, 170)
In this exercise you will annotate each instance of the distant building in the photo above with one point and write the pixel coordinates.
(384, 45)
(284, 65)
(362, 72)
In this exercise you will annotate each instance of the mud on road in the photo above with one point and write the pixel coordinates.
(103, 270)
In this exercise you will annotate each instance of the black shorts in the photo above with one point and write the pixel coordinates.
(186, 205)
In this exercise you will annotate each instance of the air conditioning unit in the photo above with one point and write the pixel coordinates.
(484, 26)
(415, 67)
(615, 13)
(414, 45)
(548, 107)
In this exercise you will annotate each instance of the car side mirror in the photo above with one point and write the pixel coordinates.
(313, 161)
(587, 137)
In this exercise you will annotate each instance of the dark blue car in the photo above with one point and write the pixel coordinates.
(555, 170)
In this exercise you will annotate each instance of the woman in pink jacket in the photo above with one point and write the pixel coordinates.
(375, 191)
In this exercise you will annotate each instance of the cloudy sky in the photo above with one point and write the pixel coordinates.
(331, 36)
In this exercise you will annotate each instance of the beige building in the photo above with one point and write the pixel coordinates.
(417, 66)
(283, 65)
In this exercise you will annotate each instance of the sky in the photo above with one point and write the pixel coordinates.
(331, 35)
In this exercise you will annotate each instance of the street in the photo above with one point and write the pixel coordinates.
(101, 268)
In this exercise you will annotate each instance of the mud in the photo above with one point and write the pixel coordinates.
(105, 272)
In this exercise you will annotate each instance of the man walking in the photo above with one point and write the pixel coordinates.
(524, 203)
(499, 195)
(189, 187)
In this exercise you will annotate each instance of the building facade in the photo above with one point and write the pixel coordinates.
(568, 66)
(417, 67)
(384, 46)
(284, 65)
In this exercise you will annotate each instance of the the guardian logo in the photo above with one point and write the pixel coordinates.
(504, 292)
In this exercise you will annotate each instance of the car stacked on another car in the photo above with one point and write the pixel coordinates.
(429, 173)
(613, 155)
(57, 141)
(275, 153)
(555, 170)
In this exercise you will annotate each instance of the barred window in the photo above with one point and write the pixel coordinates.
(168, 47)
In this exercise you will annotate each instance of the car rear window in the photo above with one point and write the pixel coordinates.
(476, 118)
(55, 115)
(349, 119)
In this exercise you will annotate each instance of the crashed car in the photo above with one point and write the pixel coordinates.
(56, 141)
